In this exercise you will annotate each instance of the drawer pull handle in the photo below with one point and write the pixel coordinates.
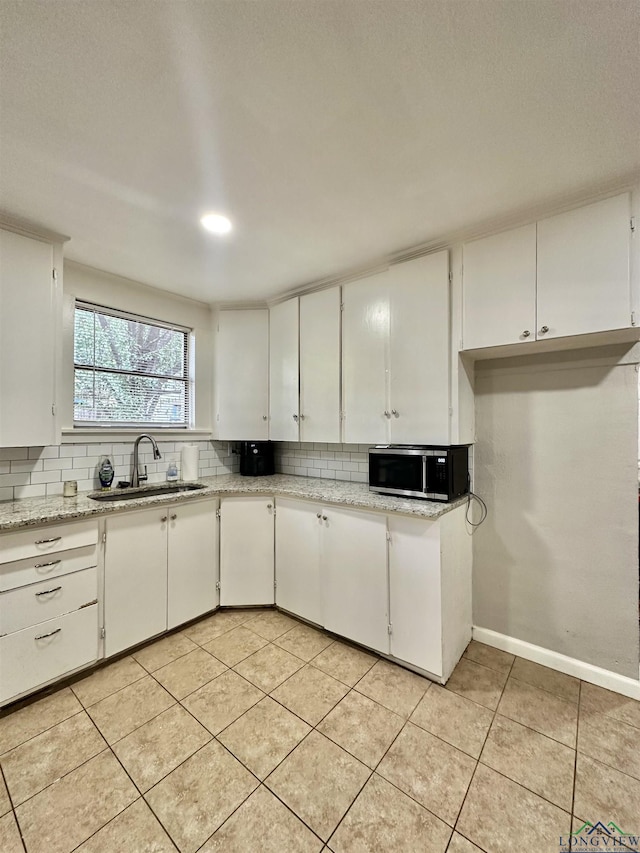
(50, 634)
(173, 516)
(49, 591)
(46, 565)
(46, 541)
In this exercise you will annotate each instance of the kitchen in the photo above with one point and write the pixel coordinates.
(398, 281)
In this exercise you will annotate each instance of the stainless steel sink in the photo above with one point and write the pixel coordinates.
(145, 492)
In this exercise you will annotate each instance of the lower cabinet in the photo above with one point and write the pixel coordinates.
(160, 570)
(48, 605)
(246, 551)
(298, 570)
(354, 568)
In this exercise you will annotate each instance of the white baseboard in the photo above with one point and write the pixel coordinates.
(571, 666)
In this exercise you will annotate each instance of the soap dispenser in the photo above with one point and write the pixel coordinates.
(172, 471)
(105, 472)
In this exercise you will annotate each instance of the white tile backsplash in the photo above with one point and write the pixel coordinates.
(331, 461)
(27, 472)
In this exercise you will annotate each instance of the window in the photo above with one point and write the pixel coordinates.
(130, 371)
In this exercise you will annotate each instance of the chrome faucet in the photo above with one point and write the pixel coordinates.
(136, 476)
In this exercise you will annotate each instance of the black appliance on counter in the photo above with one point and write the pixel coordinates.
(256, 458)
(430, 471)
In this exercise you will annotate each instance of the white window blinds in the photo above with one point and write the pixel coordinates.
(130, 371)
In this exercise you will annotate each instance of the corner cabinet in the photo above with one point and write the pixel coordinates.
(242, 375)
(161, 569)
(30, 321)
(396, 361)
(247, 551)
(564, 276)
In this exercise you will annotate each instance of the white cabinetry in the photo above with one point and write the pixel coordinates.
(283, 371)
(354, 567)
(583, 269)
(160, 571)
(500, 289)
(563, 276)
(48, 605)
(135, 578)
(246, 551)
(430, 590)
(242, 375)
(298, 570)
(320, 366)
(30, 318)
(396, 374)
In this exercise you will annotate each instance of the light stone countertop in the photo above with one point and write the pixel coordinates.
(29, 512)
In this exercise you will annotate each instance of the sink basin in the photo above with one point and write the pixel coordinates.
(145, 492)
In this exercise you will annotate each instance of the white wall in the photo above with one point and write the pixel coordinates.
(116, 292)
(556, 561)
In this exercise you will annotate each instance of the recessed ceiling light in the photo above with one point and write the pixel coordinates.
(216, 223)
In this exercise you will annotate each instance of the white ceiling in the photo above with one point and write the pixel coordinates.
(332, 133)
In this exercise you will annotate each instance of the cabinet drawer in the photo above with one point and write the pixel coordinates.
(29, 605)
(35, 569)
(39, 541)
(47, 651)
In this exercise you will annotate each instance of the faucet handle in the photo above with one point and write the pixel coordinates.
(143, 477)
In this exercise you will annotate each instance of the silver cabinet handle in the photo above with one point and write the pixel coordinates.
(48, 591)
(46, 565)
(264, 417)
(173, 517)
(301, 417)
(269, 506)
(387, 414)
(324, 518)
(46, 541)
(544, 330)
(295, 417)
(318, 515)
(526, 333)
(50, 634)
(395, 413)
(164, 518)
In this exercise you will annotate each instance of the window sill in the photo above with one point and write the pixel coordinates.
(108, 435)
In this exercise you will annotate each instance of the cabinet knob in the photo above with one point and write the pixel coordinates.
(269, 506)
(318, 515)
(395, 413)
(387, 414)
(164, 518)
(301, 417)
(264, 417)
(526, 333)
(295, 417)
(544, 330)
(173, 517)
(324, 518)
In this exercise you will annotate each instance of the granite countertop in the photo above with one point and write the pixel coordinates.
(29, 512)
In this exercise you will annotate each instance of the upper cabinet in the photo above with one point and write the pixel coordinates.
(304, 367)
(30, 317)
(565, 275)
(396, 363)
(242, 375)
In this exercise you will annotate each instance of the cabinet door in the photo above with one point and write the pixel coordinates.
(365, 338)
(583, 269)
(242, 375)
(135, 578)
(419, 350)
(283, 371)
(414, 592)
(298, 528)
(246, 551)
(499, 289)
(28, 325)
(192, 561)
(320, 366)
(355, 584)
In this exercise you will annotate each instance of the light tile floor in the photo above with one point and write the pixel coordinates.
(249, 731)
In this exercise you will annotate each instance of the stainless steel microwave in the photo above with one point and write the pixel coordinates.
(433, 472)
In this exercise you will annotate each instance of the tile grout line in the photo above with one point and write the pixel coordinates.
(575, 763)
(12, 808)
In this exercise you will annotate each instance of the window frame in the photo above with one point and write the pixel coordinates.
(188, 378)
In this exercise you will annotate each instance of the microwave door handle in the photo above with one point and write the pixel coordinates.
(424, 474)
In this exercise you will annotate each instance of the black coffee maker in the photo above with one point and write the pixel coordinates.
(256, 458)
